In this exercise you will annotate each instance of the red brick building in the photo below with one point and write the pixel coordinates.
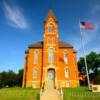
(50, 59)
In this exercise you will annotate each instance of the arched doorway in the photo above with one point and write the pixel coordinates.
(51, 74)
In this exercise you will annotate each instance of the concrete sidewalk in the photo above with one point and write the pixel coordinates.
(50, 93)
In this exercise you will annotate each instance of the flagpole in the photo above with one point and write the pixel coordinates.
(85, 61)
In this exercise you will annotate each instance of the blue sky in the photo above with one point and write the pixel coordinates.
(21, 23)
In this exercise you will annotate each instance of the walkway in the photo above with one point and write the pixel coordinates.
(50, 93)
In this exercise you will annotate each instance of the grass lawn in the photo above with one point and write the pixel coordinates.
(19, 94)
(80, 93)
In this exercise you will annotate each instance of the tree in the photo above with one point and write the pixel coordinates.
(93, 63)
(8, 78)
(81, 65)
(11, 79)
(20, 77)
(97, 79)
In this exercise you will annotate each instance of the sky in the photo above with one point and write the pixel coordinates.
(21, 24)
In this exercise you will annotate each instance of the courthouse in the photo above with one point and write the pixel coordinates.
(50, 59)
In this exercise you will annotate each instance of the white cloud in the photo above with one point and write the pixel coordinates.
(14, 16)
(95, 9)
(90, 36)
(97, 49)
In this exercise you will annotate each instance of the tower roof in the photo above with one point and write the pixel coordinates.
(51, 14)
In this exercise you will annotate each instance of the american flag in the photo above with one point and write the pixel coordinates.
(86, 25)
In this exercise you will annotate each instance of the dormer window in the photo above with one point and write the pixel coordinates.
(51, 28)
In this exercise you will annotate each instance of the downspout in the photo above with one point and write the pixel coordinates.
(41, 70)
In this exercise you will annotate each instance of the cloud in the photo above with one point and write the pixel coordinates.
(14, 16)
(94, 16)
(95, 9)
(97, 49)
(90, 36)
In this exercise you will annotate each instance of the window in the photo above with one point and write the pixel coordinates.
(35, 72)
(67, 84)
(53, 40)
(65, 57)
(35, 57)
(66, 73)
(51, 27)
(48, 40)
(51, 55)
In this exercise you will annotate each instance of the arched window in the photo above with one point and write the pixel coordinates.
(35, 57)
(51, 56)
(51, 28)
(65, 57)
(66, 73)
(53, 40)
(35, 72)
(48, 40)
(67, 84)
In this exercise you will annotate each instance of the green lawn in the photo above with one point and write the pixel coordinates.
(19, 94)
(81, 93)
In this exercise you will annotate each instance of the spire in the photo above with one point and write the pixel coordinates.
(51, 14)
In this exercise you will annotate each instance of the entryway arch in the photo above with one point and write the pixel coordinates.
(51, 74)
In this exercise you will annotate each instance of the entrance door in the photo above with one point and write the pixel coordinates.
(51, 74)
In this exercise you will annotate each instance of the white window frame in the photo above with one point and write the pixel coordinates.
(50, 28)
(66, 71)
(35, 56)
(65, 57)
(67, 84)
(48, 40)
(51, 56)
(53, 40)
(35, 72)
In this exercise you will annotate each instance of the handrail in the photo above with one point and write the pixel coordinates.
(61, 91)
(41, 91)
